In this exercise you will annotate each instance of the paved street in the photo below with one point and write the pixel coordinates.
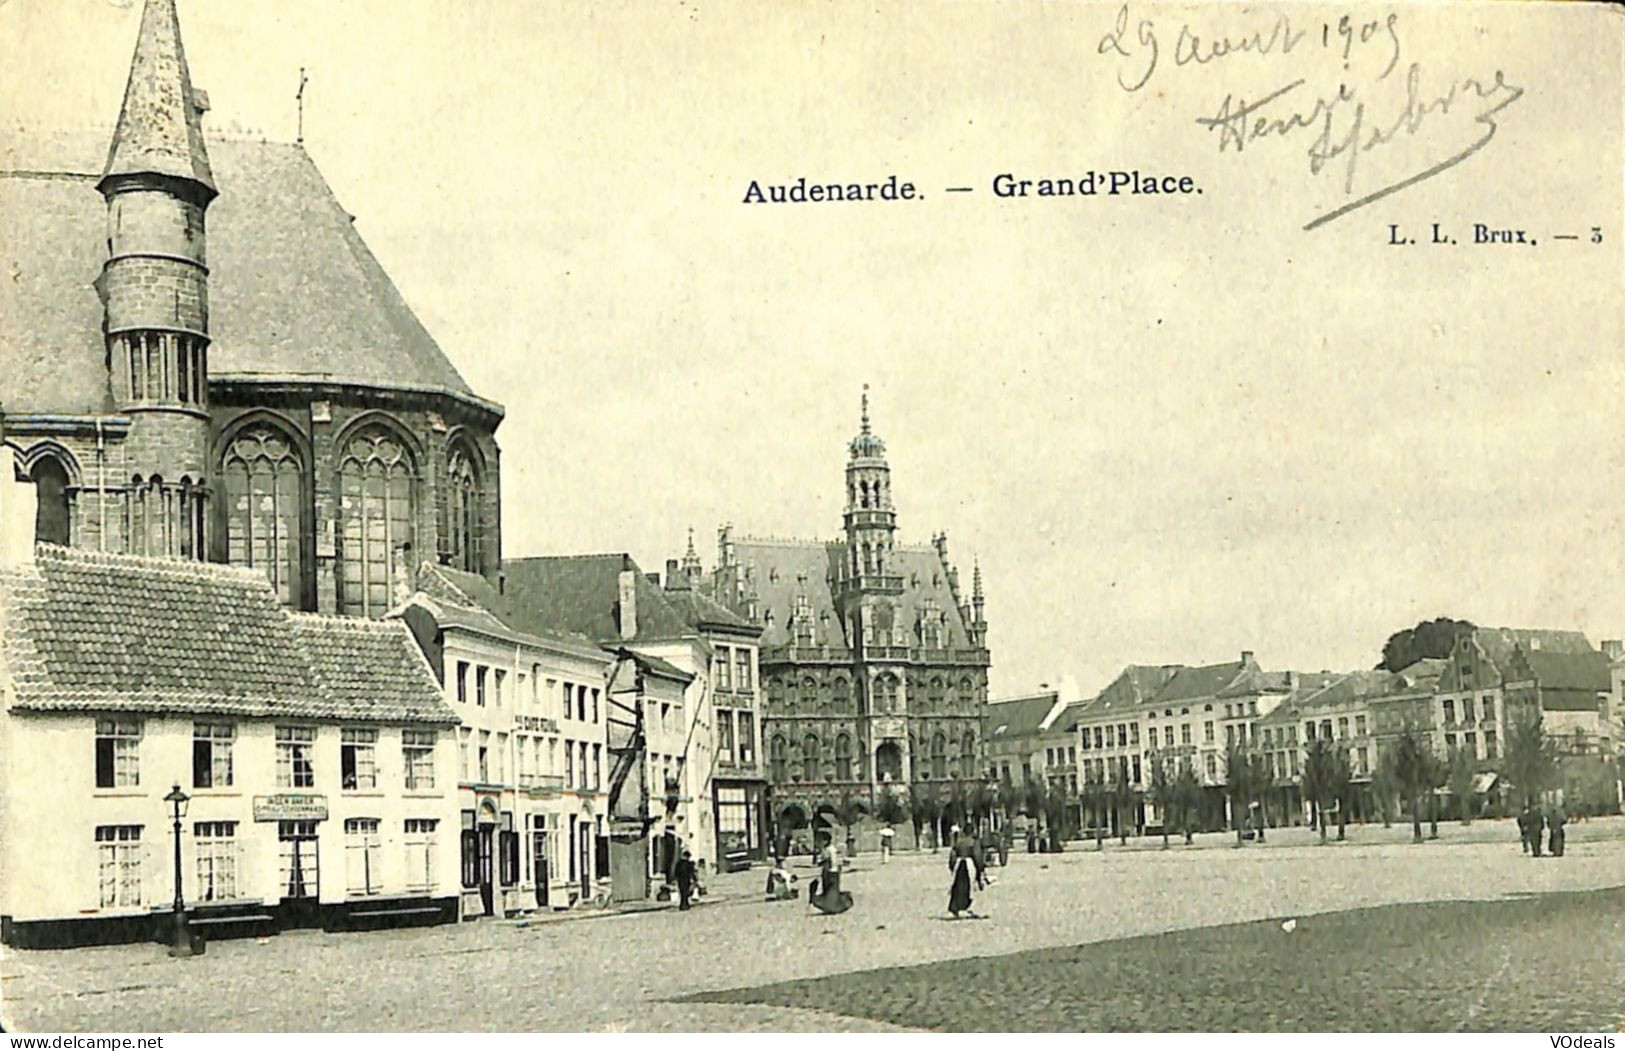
(623, 972)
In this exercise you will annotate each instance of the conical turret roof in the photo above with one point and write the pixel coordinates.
(160, 128)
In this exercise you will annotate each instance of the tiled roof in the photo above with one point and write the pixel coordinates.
(1134, 686)
(371, 669)
(294, 292)
(581, 593)
(1017, 717)
(662, 667)
(88, 631)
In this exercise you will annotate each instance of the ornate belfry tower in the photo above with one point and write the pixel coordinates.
(155, 291)
(868, 596)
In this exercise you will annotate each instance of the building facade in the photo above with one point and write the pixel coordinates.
(873, 660)
(168, 397)
(532, 753)
(316, 752)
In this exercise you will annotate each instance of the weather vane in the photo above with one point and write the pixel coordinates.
(299, 97)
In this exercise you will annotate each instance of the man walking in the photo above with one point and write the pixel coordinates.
(1537, 827)
(1524, 818)
(1558, 820)
(685, 880)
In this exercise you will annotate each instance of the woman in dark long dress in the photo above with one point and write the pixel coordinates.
(965, 862)
(829, 897)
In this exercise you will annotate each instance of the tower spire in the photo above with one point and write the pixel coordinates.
(160, 126)
(865, 430)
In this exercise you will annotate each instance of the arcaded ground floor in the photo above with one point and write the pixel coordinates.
(1465, 932)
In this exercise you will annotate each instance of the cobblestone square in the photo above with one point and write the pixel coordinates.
(630, 972)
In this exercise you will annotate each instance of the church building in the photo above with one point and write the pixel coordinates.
(873, 660)
(203, 361)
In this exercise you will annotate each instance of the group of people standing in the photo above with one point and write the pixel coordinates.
(1535, 822)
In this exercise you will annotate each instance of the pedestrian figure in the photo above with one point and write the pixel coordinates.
(826, 895)
(1537, 827)
(965, 862)
(778, 883)
(886, 835)
(1557, 821)
(1524, 820)
(685, 880)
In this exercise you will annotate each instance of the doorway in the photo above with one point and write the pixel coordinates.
(485, 855)
(584, 835)
(538, 857)
(300, 858)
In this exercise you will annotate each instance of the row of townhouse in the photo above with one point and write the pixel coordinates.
(469, 754)
(1193, 716)
(300, 768)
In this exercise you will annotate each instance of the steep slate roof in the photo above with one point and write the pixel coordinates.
(1194, 683)
(1498, 644)
(468, 600)
(581, 593)
(158, 128)
(294, 292)
(1016, 717)
(88, 631)
(1589, 672)
(776, 569)
(371, 669)
(700, 610)
(1134, 686)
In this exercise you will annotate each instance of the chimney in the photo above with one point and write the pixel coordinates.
(1292, 680)
(1613, 649)
(628, 603)
(18, 504)
(672, 576)
(1246, 656)
(502, 583)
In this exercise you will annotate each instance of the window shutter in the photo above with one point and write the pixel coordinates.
(104, 762)
(201, 754)
(471, 848)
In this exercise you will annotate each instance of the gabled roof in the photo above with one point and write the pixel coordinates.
(1498, 644)
(1582, 672)
(1190, 684)
(703, 612)
(294, 292)
(371, 669)
(1134, 686)
(460, 599)
(94, 632)
(581, 593)
(1018, 716)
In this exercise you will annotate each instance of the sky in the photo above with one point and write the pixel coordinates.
(1168, 428)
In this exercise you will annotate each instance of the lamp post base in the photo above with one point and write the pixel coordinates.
(183, 941)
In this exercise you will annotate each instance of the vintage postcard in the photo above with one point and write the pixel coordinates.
(805, 517)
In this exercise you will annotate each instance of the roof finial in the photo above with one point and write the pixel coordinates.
(976, 579)
(865, 408)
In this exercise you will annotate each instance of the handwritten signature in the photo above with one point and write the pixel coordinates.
(1239, 122)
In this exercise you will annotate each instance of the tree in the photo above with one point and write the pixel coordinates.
(1319, 777)
(1430, 638)
(1438, 773)
(1342, 785)
(1385, 785)
(1122, 796)
(1188, 798)
(1413, 755)
(891, 809)
(922, 813)
(1094, 801)
(1531, 756)
(1260, 780)
(1162, 792)
(1055, 814)
(1238, 777)
(1463, 775)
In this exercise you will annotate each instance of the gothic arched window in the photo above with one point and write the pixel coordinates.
(265, 500)
(377, 509)
(886, 693)
(53, 519)
(841, 694)
(809, 692)
(934, 695)
(465, 534)
(939, 757)
(165, 520)
(967, 755)
(809, 758)
(776, 750)
(843, 758)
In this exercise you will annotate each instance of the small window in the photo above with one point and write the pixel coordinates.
(211, 754)
(118, 849)
(118, 753)
(362, 847)
(417, 755)
(295, 756)
(358, 759)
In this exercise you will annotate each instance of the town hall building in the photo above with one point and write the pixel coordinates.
(873, 660)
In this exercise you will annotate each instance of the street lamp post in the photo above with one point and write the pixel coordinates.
(181, 942)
